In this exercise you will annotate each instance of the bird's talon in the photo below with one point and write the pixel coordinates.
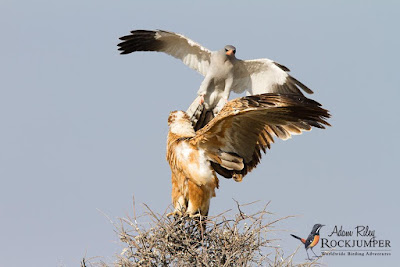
(175, 213)
(201, 101)
(193, 216)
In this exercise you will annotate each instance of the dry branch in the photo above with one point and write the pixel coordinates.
(241, 240)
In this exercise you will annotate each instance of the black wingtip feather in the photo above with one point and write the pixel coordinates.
(139, 40)
(301, 85)
(282, 67)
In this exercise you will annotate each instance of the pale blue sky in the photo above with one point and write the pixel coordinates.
(83, 128)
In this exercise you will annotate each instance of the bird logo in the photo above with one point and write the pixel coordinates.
(312, 239)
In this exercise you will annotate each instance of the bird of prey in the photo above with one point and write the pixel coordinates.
(312, 239)
(222, 71)
(231, 143)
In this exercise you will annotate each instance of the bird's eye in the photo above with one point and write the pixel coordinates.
(226, 49)
(234, 51)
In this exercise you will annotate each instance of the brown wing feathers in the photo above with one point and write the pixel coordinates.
(266, 115)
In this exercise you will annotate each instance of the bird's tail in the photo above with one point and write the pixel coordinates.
(198, 114)
(295, 236)
(299, 238)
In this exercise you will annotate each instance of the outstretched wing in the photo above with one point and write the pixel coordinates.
(246, 126)
(191, 53)
(260, 76)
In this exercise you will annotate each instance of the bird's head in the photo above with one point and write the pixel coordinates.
(179, 123)
(177, 115)
(317, 227)
(230, 50)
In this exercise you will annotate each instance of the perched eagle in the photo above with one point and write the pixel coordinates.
(222, 71)
(231, 143)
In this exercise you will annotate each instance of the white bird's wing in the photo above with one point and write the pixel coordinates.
(246, 126)
(260, 76)
(191, 53)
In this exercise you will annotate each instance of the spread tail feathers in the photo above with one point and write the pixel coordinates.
(198, 114)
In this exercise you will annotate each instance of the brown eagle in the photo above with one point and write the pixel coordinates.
(231, 143)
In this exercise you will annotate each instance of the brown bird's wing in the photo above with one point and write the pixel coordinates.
(191, 53)
(246, 126)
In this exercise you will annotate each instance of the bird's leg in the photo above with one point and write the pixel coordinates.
(196, 196)
(315, 254)
(308, 256)
(203, 90)
(199, 198)
(223, 97)
(178, 200)
(179, 209)
(201, 99)
(220, 105)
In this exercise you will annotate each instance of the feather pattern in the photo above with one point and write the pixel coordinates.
(223, 72)
(231, 143)
(189, 52)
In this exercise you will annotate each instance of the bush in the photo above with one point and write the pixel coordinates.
(213, 241)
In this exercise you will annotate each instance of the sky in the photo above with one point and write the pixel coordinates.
(83, 129)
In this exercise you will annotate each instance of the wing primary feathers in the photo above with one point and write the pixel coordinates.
(247, 126)
(140, 40)
(300, 84)
(282, 67)
(176, 45)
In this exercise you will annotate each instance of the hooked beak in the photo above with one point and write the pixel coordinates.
(230, 52)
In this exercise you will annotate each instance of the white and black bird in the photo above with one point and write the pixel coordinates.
(222, 71)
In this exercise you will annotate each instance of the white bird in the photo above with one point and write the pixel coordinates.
(222, 71)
